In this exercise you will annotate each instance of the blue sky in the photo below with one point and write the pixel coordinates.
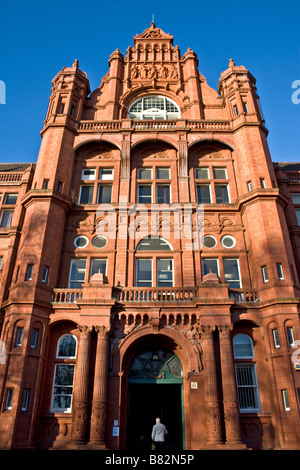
(39, 38)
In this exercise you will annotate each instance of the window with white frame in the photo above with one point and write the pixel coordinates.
(6, 219)
(232, 273)
(77, 273)
(246, 377)
(62, 391)
(144, 272)
(88, 174)
(98, 265)
(290, 335)
(106, 174)
(154, 107)
(276, 338)
(264, 271)
(285, 399)
(154, 270)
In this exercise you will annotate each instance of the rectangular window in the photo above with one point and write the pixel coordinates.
(6, 219)
(235, 109)
(11, 199)
(263, 183)
(145, 173)
(296, 198)
(290, 335)
(77, 273)
(202, 174)
(1, 261)
(285, 400)
(163, 194)
(19, 337)
(106, 174)
(276, 338)
(59, 186)
(98, 265)
(88, 174)
(245, 107)
(279, 271)
(247, 387)
(63, 388)
(86, 194)
(164, 272)
(34, 338)
(232, 273)
(265, 274)
(45, 275)
(210, 264)
(104, 194)
(29, 272)
(220, 173)
(145, 194)
(222, 195)
(298, 216)
(45, 184)
(25, 400)
(163, 173)
(9, 398)
(250, 187)
(144, 273)
(203, 193)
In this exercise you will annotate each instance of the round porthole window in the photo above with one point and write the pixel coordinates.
(228, 241)
(81, 242)
(99, 242)
(209, 241)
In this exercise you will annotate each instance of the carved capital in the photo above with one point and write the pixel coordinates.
(207, 331)
(225, 330)
(102, 331)
(85, 330)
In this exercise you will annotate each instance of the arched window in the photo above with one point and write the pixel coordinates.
(154, 270)
(246, 377)
(243, 347)
(154, 107)
(67, 347)
(152, 244)
(62, 391)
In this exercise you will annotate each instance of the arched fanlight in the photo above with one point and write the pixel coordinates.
(154, 107)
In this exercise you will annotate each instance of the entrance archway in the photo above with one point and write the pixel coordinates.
(155, 390)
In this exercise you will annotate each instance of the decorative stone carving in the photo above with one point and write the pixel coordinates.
(98, 420)
(79, 421)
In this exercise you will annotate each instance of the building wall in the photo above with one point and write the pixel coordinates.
(112, 317)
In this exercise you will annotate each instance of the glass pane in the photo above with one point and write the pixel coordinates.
(153, 244)
(222, 194)
(106, 173)
(6, 219)
(145, 174)
(154, 102)
(163, 194)
(64, 374)
(77, 275)
(165, 272)
(145, 194)
(11, 199)
(231, 272)
(210, 265)
(203, 194)
(98, 265)
(144, 272)
(67, 346)
(298, 216)
(220, 173)
(202, 174)
(88, 174)
(86, 195)
(242, 346)
(296, 198)
(163, 173)
(104, 194)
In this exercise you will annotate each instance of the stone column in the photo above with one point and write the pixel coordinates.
(98, 418)
(213, 419)
(230, 398)
(80, 396)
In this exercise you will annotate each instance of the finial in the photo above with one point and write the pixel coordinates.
(153, 23)
(231, 63)
(76, 63)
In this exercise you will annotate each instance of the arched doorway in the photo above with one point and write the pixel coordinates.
(155, 390)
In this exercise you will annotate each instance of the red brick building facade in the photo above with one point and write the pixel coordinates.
(150, 265)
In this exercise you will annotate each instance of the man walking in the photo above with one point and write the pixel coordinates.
(159, 433)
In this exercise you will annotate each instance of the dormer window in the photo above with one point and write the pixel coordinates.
(154, 107)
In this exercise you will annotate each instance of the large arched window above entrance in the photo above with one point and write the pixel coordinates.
(243, 347)
(153, 244)
(154, 107)
(156, 366)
